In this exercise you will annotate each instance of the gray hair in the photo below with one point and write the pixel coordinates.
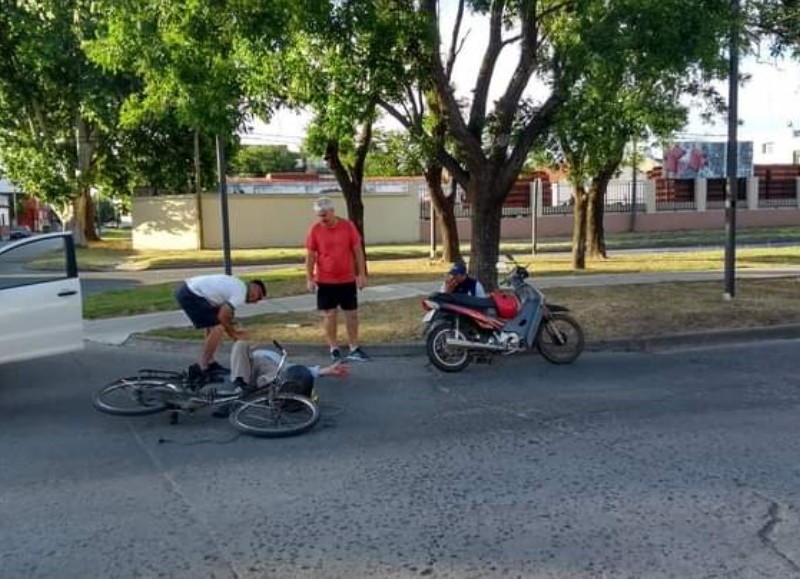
(323, 204)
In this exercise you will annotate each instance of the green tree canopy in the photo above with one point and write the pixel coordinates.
(394, 154)
(260, 160)
(555, 44)
(209, 62)
(630, 86)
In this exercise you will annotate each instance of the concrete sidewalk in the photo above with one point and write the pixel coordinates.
(116, 331)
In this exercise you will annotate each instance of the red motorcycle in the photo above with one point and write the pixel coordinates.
(460, 328)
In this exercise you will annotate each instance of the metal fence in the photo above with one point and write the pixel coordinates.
(619, 199)
(464, 210)
(767, 203)
(676, 206)
(620, 196)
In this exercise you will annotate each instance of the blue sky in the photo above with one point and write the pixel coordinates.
(768, 101)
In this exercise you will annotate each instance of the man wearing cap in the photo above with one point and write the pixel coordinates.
(458, 282)
(210, 302)
(336, 270)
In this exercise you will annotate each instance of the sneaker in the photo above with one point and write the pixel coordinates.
(336, 355)
(195, 377)
(358, 355)
(217, 368)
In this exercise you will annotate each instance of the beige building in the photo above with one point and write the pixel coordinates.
(395, 212)
(263, 221)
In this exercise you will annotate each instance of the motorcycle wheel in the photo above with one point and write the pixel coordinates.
(560, 339)
(441, 355)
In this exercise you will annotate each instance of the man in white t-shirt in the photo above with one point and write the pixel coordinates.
(210, 302)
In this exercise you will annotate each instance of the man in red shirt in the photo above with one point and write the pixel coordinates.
(335, 270)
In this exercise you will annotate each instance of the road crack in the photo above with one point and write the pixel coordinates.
(765, 533)
(177, 490)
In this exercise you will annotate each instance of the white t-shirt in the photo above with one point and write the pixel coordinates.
(219, 289)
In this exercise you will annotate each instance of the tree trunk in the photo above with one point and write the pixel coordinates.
(595, 209)
(444, 205)
(90, 227)
(596, 236)
(77, 220)
(351, 183)
(85, 150)
(355, 205)
(445, 213)
(487, 213)
(579, 228)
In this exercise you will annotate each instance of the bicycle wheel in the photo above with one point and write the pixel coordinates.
(282, 414)
(560, 339)
(133, 397)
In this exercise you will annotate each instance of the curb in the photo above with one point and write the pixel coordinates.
(394, 350)
(704, 339)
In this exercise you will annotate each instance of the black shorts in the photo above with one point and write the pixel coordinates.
(200, 311)
(337, 295)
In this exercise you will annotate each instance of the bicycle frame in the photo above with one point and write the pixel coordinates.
(265, 410)
(183, 394)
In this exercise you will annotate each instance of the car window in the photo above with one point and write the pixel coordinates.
(37, 261)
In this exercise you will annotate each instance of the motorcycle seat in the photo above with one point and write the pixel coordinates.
(464, 300)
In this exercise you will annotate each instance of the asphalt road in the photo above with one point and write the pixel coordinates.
(676, 464)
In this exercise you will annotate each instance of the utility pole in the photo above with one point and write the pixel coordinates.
(198, 189)
(432, 212)
(733, 182)
(534, 205)
(634, 167)
(223, 203)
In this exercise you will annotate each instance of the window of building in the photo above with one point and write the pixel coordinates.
(768, 148)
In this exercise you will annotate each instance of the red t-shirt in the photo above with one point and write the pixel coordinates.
(334, 247)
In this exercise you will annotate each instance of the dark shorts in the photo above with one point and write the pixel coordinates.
(200, 311)
(337, 295)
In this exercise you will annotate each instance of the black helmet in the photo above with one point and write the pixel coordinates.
(298, 379)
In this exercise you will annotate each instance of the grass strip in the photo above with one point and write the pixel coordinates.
(605, 312)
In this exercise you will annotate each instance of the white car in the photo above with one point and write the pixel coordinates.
(41, 310)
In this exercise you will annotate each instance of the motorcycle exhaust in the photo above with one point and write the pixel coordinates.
(474, 345)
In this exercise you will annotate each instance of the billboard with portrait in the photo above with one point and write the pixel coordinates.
(705, 160)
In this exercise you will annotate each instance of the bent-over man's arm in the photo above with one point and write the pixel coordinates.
(226, 320)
